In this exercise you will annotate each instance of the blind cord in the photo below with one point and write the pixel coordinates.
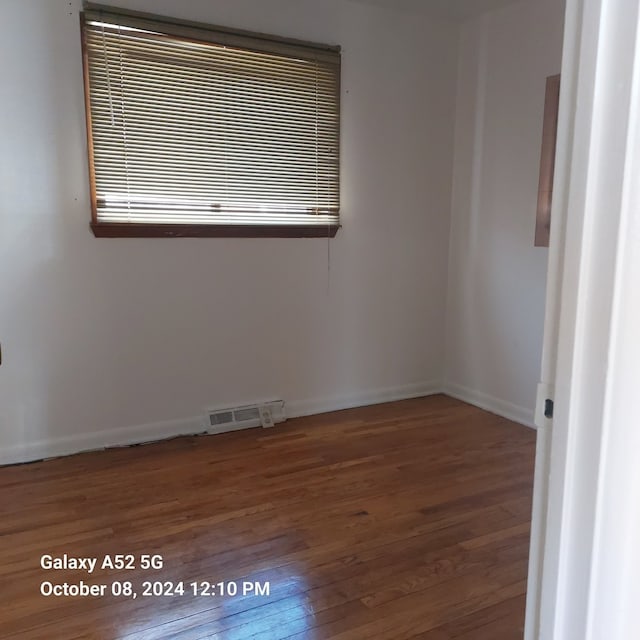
(328, 259)
(106, 66)
(124, 122)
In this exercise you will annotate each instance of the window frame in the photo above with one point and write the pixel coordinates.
(219, 35)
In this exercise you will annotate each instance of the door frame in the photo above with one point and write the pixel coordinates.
(589, 301)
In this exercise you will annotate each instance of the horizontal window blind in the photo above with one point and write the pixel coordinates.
(196, 126)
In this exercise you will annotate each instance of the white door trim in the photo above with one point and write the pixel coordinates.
(595, 219)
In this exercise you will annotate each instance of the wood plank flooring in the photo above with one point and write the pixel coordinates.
(408, 520)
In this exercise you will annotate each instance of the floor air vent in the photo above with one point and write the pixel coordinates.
(264, 414)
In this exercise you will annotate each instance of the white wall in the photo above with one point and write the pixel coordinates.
(497, 278)
(109, 334)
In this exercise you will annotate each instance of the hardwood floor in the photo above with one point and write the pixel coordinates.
(404, 520)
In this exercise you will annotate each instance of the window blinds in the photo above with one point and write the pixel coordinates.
(197, 126)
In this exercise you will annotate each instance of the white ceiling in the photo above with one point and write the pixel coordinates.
(452, 9)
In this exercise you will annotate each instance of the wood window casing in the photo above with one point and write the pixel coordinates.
(547, 161)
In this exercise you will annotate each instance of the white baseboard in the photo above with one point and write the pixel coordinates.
(124, 436)
(490, 403)
(299, 408)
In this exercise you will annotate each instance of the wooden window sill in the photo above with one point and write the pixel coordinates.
(126, 230)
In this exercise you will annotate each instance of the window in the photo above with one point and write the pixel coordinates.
(203, 131)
